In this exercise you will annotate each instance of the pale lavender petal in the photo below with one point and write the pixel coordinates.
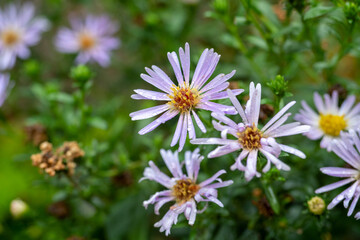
(220, 151)
(152, 95)
(178, 130)
(172, 162)
(174, 61)
(339, 172)
(278, 164)
(211, 141)
(278, 115)
(237, 106)
(334, 185)
(213, 178)
(347, 104)
(292, 150)
(199, 122)
(156, 83)
(162, 119)
(183, 133)
(149, 112)
(223, 95)
(185, 62)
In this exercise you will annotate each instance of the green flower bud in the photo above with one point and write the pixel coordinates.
(32, 68)
(278, 86)
(81, 74)
(351, 11)
(220, 6)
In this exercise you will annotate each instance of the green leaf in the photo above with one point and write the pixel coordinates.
(259, 42)
(98, 123)
(61, 97)
(317, 12)
(270, 195)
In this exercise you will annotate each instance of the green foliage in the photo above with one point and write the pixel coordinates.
(293, 48)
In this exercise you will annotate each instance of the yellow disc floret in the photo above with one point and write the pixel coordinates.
(86, 41)
(250, 138)
(184, 99)
(332, 124)
(10, 37)
(184, 190)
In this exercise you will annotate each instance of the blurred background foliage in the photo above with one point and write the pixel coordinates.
(314, 45)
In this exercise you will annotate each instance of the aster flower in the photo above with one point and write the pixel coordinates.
(252, 140)
(348, 149)
(19, 29)
(92, 38)
(4, 85)
(331, 119)
(187, 96)
(183, 189)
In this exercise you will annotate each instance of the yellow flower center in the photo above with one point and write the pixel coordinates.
(184, 99)
(250, 138)
(10, 37)
(184, 190)
(86, 41)
(332, 124)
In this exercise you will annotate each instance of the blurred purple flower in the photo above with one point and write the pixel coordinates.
(331, 119)
(347, 148)
(186, 97)
(19, 29)
(251, 139)
(182, 188)
(92, 38)
(4, 85)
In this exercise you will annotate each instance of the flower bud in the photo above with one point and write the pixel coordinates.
(81, 74)
(18, 208)
(316, 205)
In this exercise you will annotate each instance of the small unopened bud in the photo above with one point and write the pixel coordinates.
(81, 74)
(278, 86)
(316, 205)
(18, 208)
(220, 6)
(351, 11)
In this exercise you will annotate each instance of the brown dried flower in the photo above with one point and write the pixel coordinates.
(62, 159)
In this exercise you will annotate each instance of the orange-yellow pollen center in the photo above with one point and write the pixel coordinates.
(10, 37)
(86, 41)
(250, 138)
(332, 124)
(184, 98)
(184, 190)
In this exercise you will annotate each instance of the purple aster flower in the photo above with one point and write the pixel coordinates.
(92, 38)
(331, 119)
(19, 29)
(250, 139)
(347, 148)
(182, 188)
(187, 96)
(4, 85)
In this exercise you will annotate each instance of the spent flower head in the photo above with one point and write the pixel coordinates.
(92, 38)
(348, 149)
(185, 97)
(330, 119)
(62, 159)
(182, 189)
(250, 138)
(19, 29)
